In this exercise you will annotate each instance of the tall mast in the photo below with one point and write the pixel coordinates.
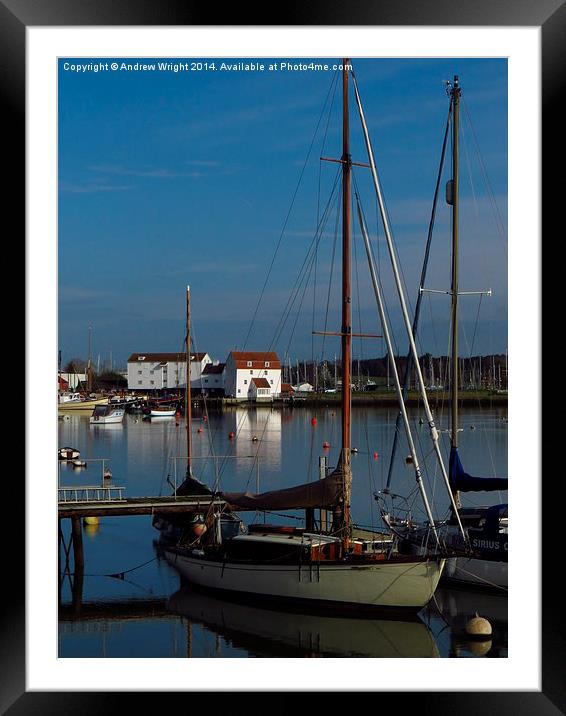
(454, 373)
(188, 382)
(346, 297)
(89, 364)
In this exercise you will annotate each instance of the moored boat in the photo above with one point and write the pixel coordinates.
(329, 563)
(107, 414)
(68, 453)
(83, 404)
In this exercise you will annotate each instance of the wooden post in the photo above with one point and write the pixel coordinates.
(79, 563)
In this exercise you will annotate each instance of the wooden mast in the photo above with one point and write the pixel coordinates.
(188, 382)
(346, 297)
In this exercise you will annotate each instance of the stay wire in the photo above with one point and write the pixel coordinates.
(287, 218)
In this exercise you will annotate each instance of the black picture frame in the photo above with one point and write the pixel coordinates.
(550, 16)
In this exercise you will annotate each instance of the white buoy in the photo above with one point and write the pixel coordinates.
(478, 627)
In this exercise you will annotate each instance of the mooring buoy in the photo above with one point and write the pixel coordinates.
(478, 628)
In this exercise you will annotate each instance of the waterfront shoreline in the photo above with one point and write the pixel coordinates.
(474, 399)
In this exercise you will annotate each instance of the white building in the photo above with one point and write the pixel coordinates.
(243, 366)
(73, 380)
(212, 379)
(165, 371)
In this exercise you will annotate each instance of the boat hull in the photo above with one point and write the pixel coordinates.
(82, 405)
(394, 585)
(478, 572)
(115, 416)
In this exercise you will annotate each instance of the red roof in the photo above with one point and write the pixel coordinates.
(260, 382)
(287, 388)
(258, 359)
(63, 384)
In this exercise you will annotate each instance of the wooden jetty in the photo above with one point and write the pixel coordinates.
(89, 504)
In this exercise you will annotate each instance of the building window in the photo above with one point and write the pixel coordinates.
(139, 382)
(249, 364)
(271, 382)
(152, 382)
(251, 372)
(265, 372)
(267, 364)
(239, 391)
(206, 380)
(245, 382)
(139, 372)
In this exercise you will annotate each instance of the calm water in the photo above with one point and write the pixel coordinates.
(144, 611)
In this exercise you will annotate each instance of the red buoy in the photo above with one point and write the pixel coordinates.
(199, 430)
(313, 421)
(204, 418)
(375, 456)
(231, 436)
(325, 445)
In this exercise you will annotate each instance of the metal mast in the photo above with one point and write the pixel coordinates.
(188, 382)
(432, 427)
(454, 372)
(419, 296)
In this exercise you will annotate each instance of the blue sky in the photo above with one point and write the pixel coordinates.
(168, 179)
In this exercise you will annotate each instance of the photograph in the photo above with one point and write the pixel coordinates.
(282, 357)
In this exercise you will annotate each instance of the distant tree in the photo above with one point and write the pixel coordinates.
(75, 365)
(110, 379)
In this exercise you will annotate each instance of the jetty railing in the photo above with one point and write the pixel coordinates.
(91, 493)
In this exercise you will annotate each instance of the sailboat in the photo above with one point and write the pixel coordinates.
(173, 527)
(478, 534)
(333, 566)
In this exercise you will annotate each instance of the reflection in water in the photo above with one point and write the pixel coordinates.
(139, 453)
(256, 429)
(267, 632)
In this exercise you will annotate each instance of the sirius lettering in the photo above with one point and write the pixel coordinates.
(487, 544)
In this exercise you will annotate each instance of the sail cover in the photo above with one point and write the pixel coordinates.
(192, 486)
(325, 493)
(461, 481)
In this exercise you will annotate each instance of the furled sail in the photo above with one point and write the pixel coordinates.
(461, 481)
(192, 486)
(325, 493)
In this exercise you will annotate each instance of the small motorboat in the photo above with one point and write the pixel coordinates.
(105, 414)
(68, 453)
(164, 412)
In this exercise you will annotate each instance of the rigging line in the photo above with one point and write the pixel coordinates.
(286, 220)
(354, 244)
(296, 287)
(205, 403)
(495, 207)
(385, 305)
(483, 429)
(306, 271)
(331, 277)
(306, 284)
(334, 81)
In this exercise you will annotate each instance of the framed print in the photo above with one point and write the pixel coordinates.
(114, 156)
